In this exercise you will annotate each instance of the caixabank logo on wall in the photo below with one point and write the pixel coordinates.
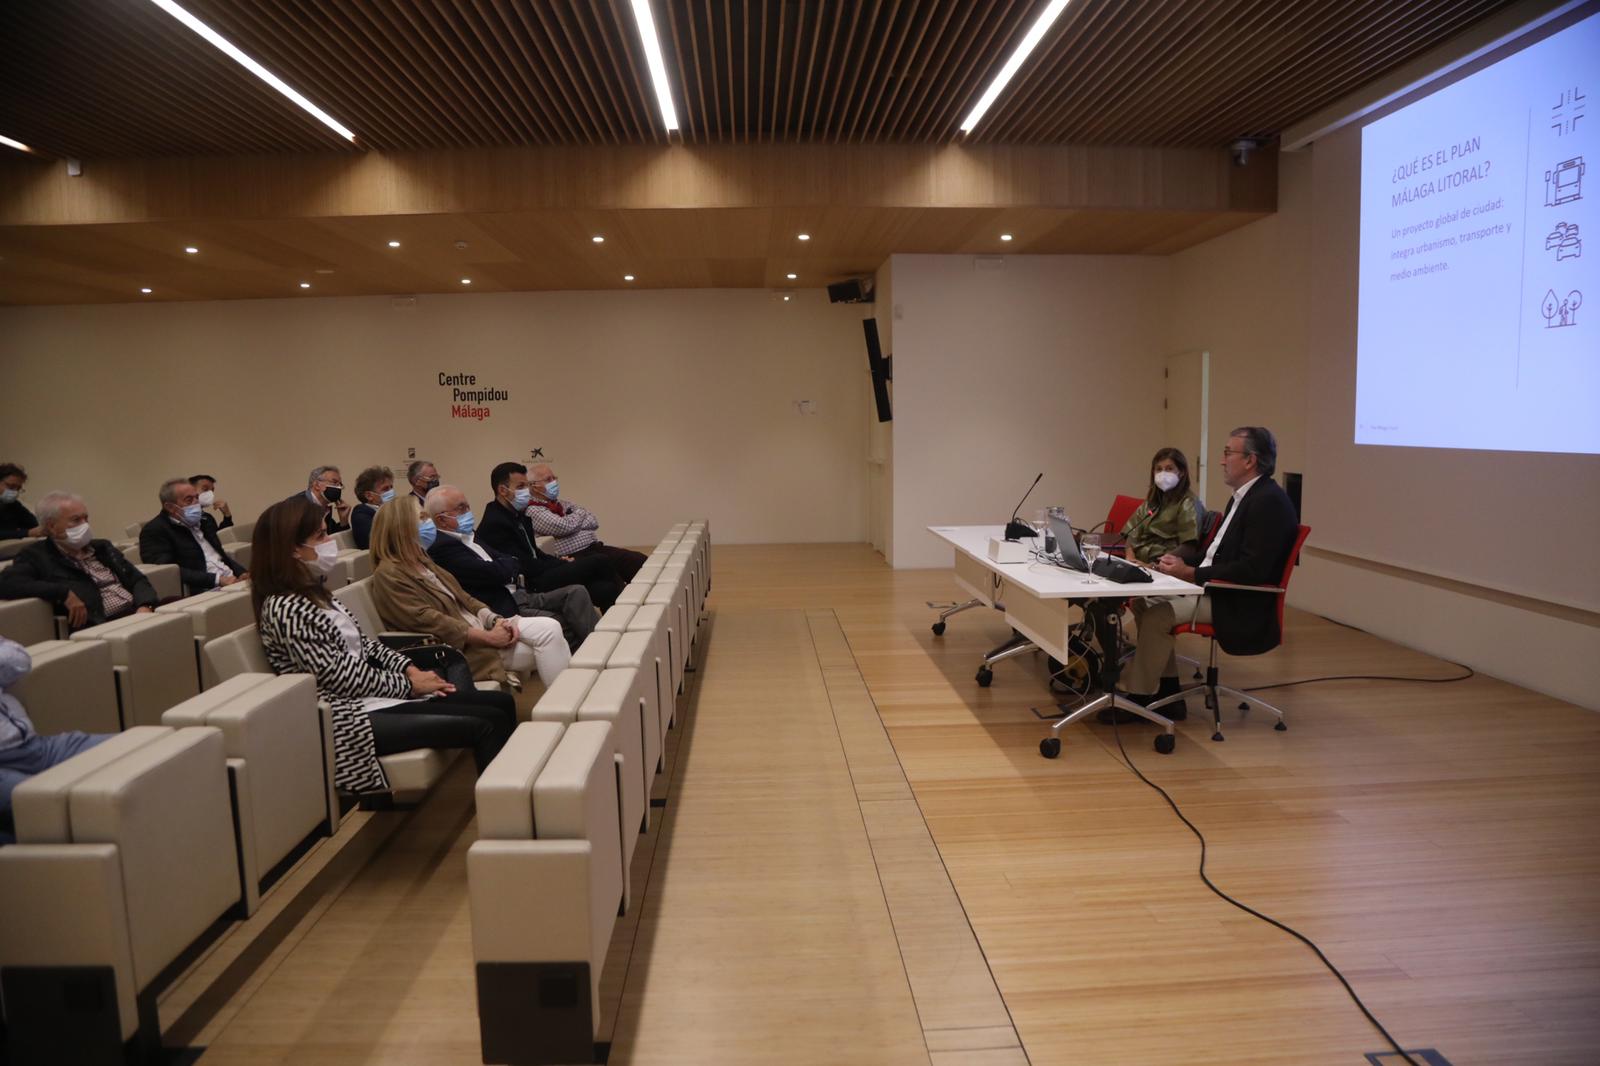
(468, 399)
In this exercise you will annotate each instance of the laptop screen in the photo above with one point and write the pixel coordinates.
(1066, 546)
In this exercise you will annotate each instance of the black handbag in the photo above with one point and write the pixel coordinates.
(443, 660)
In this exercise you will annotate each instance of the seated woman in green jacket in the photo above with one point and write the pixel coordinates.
(1169, 518)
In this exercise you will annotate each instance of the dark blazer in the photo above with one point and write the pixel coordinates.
(40, 571)
(163, 539)
(15, 520)
(483, 580)
(329, 523)
(1253, 552)
(361, 524)
(512, 534)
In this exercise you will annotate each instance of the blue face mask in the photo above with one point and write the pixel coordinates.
(521, 499)
(553, 490)
(191, 515)
(428, 532)
(386, 495)
(464, 524)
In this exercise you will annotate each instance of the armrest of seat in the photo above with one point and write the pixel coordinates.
(1235, 587)
(164, 577)
(503, 795)
(64, 906)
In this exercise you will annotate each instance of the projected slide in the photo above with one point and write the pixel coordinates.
(1480, 259)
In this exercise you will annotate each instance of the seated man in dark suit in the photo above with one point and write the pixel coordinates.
(86, 578)
(1251, 548)
(16, 521)
(184, 534)
(495, 578)
(325, 488)
(506, 529)
(374, 488)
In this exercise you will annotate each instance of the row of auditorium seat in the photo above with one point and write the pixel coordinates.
(132, 856)
(560, 810)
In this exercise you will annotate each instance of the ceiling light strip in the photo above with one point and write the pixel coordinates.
(1035, 34)
(18, 145)
(658, 66)
(227, 47)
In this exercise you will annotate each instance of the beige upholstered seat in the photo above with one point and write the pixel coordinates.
(614, 698)
(163, 577)
(655, 619)
(411, 773)
(595, 650)
(142, 866)
(10, 549)
(346, 540)
(282, 772)
(503, 794)
(72, 686)
(616, 618)
(565, 695)
(241, 552)
(213, 613)
(154, 660)
(634, 594)
(637, 650)
(27, 621)
(543, 910)
(354, 564)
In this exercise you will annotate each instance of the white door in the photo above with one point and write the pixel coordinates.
(1188, 394)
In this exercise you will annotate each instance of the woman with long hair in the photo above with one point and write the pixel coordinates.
(381, 703)
(416, 594)
(1169, 517)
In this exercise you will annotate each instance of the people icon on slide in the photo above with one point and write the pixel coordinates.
(1561, 311)
(1564, 183)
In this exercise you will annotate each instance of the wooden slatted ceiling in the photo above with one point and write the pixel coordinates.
(120, 77)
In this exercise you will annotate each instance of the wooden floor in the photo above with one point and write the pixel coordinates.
(863, 859)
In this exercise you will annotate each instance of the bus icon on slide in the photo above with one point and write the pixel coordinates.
(1564, 183)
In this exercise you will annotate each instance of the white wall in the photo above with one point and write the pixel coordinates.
(1252, 299)
(1007, 366)
(654, 405)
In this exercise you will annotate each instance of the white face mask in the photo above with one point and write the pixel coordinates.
(1166, 481)
(78, 536)
(8, 494)
(327, 557)
(207, 498)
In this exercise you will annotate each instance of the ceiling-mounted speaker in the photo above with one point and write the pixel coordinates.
(854, 291)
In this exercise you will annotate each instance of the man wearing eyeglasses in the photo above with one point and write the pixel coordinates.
(1251, 548)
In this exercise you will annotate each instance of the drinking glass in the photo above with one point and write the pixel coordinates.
(1090, 546)
(1038, 523)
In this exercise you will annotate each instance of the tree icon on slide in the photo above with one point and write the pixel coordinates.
(1561, 311)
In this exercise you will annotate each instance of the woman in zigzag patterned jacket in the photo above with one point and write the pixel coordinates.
(381, 703)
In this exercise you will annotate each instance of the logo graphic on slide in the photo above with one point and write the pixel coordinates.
(1564, 184)
(1567, 111)
(1561, 311)
(1564, 241)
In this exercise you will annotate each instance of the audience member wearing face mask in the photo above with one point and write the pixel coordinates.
(210, 499)
(374, 488)
(496, 578)
(423, 477)
(16, 521)
(1169, 519)
(381, 703)
(325, 488)
(184, 534)
(23, 752)
(415, 594)
(573, 529)
(87, 579)
(505, 527)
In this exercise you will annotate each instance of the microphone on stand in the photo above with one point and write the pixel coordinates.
(1017, 530)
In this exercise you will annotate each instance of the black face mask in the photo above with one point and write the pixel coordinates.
(332, 493)
(433, 483)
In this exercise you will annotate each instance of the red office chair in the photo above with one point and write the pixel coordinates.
(1209, 686)
(1121, 509)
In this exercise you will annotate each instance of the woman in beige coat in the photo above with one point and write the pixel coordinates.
(413, 593)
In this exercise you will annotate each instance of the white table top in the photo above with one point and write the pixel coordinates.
(1052, 582)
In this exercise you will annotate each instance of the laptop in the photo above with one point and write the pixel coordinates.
(1067, 552)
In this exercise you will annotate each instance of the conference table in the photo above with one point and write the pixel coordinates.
(1046, 604)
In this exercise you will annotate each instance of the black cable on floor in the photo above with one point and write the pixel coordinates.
(1470, 673)
(1116, 732)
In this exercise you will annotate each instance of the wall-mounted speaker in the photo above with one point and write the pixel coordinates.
(854, 291)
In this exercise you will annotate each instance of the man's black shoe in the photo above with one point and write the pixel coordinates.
(1178, 711)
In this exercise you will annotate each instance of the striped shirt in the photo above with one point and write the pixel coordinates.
(114, 599)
